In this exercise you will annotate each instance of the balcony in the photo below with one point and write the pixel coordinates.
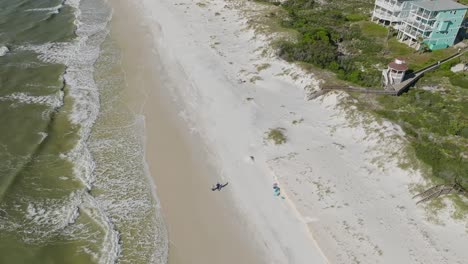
(425, 14)
(413, 33)
(384, 16)
(391, 5)
(419, 25)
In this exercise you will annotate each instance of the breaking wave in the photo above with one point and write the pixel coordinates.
(53, 101)
(107, 158)
(54, 9)
(79, 57)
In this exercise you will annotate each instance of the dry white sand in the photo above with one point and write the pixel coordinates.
(346, 200)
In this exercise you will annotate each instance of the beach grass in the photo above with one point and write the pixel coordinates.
(277, 135)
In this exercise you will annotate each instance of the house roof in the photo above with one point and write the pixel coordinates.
(439, 5)
(397, 66)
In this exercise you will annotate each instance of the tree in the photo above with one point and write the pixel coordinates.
(423, 46)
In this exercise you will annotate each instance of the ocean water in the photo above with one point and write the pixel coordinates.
(74, 185)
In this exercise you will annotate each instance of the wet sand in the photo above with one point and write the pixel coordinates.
(203, 226)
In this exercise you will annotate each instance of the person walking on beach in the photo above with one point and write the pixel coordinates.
(219, 186)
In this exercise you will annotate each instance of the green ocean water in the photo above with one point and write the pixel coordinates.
(74, 187)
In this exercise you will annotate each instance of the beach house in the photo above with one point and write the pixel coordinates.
(435, 23)
(391, 12)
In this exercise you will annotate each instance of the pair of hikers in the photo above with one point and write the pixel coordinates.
(276, 190)
(219, 186)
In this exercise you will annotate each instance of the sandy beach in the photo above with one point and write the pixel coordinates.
(202, 226)
(209, 95)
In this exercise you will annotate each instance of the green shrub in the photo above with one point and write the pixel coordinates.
(299, 4)
(436, 126)
(276, 135)
(460, 80)
(356, 17)
(373, 30)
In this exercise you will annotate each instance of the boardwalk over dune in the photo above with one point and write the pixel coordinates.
(396, 89)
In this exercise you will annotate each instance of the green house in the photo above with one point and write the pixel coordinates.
(435, 23)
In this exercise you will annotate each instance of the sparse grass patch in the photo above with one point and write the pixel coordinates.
(371, 29)
(356, 17)
(267, 17)
(461, 207)
(263, 66)
(201, 4)
(277, 135)
(460, 80)
(255, 78)
(399, 49)
(295, 122)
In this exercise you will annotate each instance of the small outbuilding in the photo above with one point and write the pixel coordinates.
(395, 72)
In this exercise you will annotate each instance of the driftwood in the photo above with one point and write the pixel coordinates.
(439, 190)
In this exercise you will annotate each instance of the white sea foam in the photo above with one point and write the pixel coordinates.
(43, 136)
(40, 213)
(3, 50)
(46, 218)
(111, 248)
(53, 101)
(73, 3)
(54, 9)
(79, 56)
(49, 218)
(127, 203)
(117, 144)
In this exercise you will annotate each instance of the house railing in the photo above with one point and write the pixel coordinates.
(390, 5)
(419, 25)
(384, 16)
(412, 33)
(430, 16)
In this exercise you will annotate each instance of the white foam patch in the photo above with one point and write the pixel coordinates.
(73, 3)
(53, 10)
(43, 136)
(3, 50)
(79, 56)
(25, 98)
(58, 217)
(111, 248)
(46, 218)
(124, 199)
(123, 180)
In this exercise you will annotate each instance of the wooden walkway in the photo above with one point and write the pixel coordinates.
(358, 89)
(413, 77)
(394, 90)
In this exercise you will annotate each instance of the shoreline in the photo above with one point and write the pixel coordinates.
(203, 227)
